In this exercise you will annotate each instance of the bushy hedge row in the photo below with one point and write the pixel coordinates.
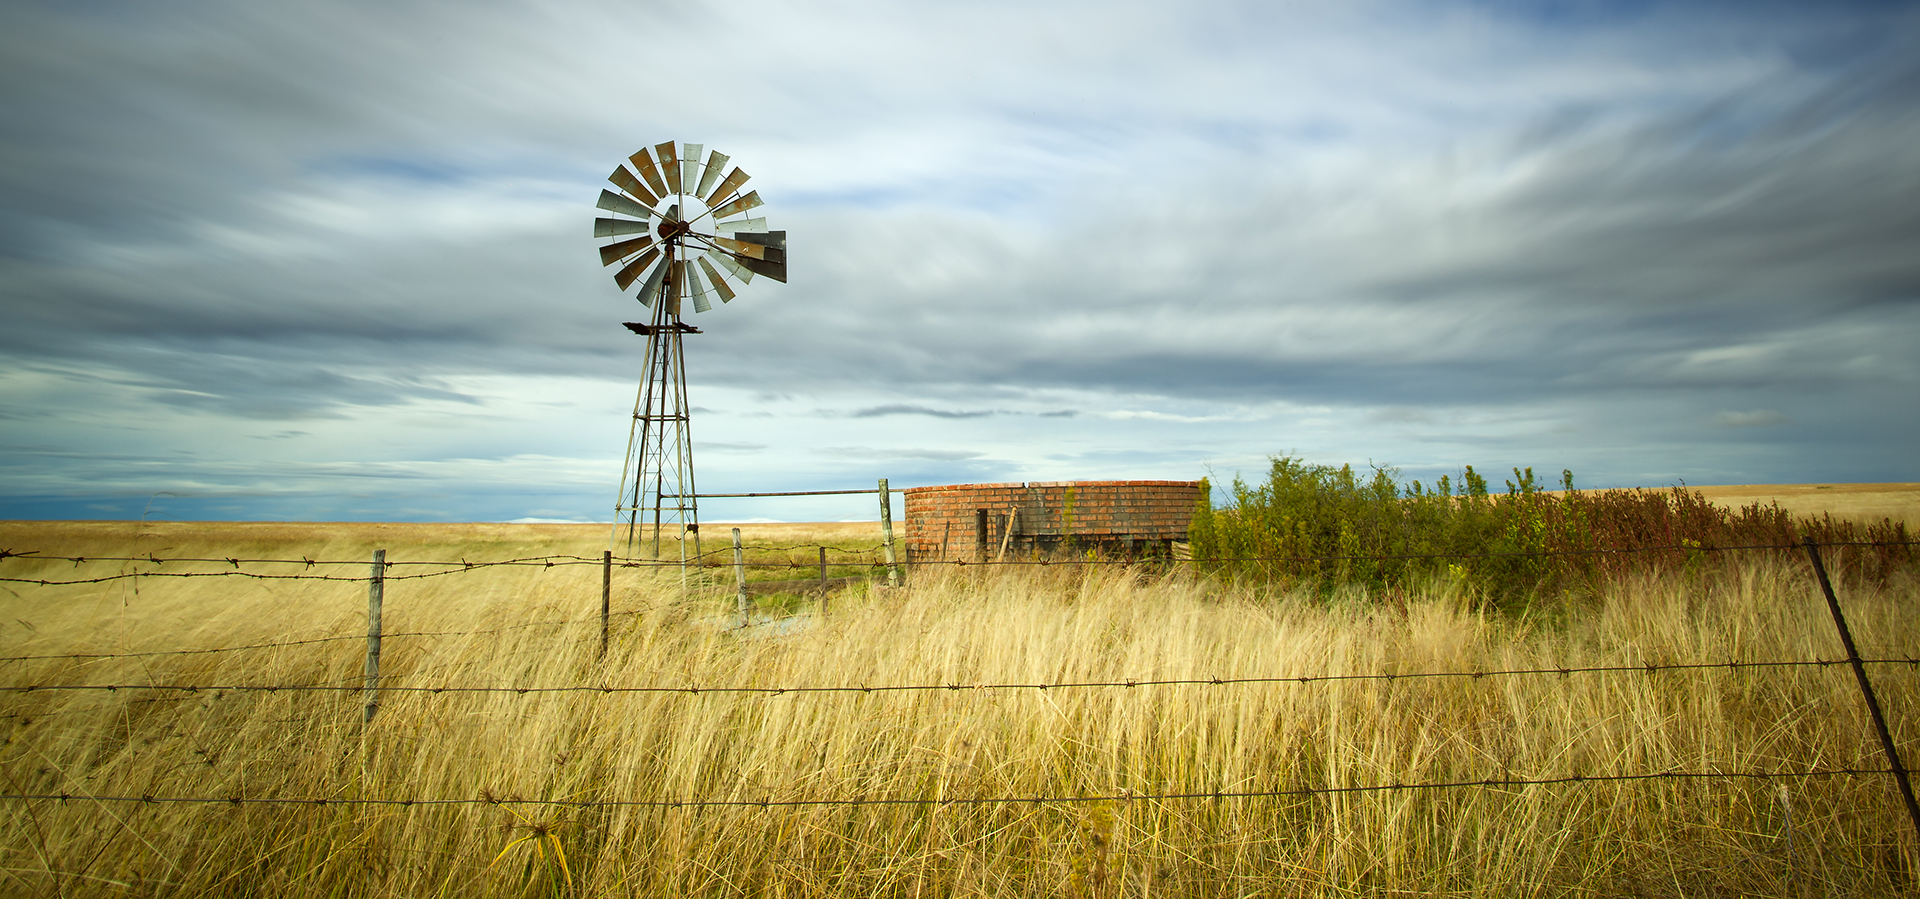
(1323, 525)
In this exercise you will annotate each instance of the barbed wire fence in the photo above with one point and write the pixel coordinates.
(378, 574)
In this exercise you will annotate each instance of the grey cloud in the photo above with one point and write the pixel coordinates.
(1758, 418)
(868, 452)
(903, 409)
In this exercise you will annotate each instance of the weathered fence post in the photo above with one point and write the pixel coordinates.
(1866, 686)
(886, 531)
(606, 596)
(740, 574)
(375, 597)
(823, 582)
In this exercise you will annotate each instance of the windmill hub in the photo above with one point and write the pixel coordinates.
(672, 229)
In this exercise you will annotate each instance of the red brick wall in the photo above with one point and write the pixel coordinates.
(943, 522)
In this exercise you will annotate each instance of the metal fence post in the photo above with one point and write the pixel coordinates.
(375, 597)
(1866, 686)
(886, 531)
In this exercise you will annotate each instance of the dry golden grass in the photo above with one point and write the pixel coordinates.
(1664, 837)
(1857, 502)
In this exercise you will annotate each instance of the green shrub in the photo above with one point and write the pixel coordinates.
(1322, 526)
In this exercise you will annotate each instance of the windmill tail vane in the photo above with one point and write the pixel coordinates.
(706, 244)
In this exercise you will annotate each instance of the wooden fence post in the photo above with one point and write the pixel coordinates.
(886, 531)
(740, 574)
(375, 597)
(823, 582)
(606, 596)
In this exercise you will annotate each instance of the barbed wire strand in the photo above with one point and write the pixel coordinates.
(696, 690)
(1299, 792)
(571, 561)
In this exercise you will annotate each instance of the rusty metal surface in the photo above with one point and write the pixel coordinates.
(652, 288)
(719, 283)
(700, 303)
(614, 252)
(643, 164)
(727, 262)
(626, 275)
(772, 240)
(676, 286)
(743, 204)
(615, 227)
(758, 225)
(625, 180)
(690, 165)
(613, 202)
(727, 187)
(741, 248)
(669, 166)
(716, 163)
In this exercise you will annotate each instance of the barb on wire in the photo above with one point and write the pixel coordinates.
(696, 690)
(356, 638)
(943, 801)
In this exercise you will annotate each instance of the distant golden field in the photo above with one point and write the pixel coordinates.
(1332, 779)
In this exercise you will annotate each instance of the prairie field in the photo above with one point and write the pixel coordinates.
(1065, 730)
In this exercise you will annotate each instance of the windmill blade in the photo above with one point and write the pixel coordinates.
(726, 262)
(672, 214)
(700, 303)
(626, 276)
(690, 165)
(751, 225)
(669, 166)
(735, 178)
(716, 163)
(643, 164)
(632, 185)
(613, 202)
(612, 227)
(772, 260)
(773, 240)
(741, 205)
(676, 285)
(652, 288)
(742, 249)
(719, 284)
(775, 270)
(614, 252)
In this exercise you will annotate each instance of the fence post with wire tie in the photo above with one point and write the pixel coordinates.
(375, 597)
(606, 596)
(740, 575)
(886, 532)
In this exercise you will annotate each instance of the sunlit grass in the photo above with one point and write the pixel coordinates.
(961, 628)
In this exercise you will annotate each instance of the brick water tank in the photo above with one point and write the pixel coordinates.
(972, 522)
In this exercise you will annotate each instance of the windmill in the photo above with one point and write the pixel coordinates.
(705, 242)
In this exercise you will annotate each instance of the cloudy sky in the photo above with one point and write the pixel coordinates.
(333, 261)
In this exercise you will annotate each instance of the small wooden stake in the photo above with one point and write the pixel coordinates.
(376, 595)
(740, 574)
(886, 531)
(606, 596)
(1006, 538)
(823, 582)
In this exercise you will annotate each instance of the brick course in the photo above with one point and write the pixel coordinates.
(944, 522)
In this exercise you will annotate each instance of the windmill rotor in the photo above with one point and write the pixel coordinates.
(704, 245)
